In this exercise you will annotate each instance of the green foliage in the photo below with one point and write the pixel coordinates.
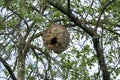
(79, 60)
(31, 78)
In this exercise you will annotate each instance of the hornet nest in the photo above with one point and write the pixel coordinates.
(56, 38)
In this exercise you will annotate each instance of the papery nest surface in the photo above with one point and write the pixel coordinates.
(56, 38)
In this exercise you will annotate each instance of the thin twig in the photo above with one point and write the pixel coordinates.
(68, 4)
(103, 10)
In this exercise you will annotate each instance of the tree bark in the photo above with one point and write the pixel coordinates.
(21, 65)
(21, 59)
(100, 57)
(23, 48)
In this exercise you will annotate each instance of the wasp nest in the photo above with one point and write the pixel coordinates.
(56, 38)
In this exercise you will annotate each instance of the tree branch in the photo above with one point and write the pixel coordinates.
(68, 4)
(18, 15)
(8, 68)
(103, 10)
(101, 59)
(37, 35)
(72, 17)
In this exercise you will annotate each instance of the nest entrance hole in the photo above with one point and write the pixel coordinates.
(53, 40)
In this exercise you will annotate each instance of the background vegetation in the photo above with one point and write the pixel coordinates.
(94, 50)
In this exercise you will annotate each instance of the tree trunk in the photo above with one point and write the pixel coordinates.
(100, 57)
(21, 66)
(21, 58)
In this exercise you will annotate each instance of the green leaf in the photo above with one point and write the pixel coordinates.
(2, 28)
(31, 78)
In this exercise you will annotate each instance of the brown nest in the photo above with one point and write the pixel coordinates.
(56, 38)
